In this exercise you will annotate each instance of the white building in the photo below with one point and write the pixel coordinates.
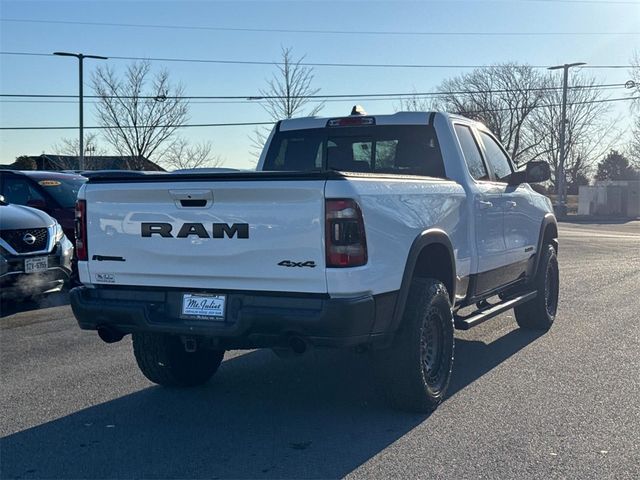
(619, 198)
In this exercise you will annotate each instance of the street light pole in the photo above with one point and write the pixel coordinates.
(560, 179)
(80, 58)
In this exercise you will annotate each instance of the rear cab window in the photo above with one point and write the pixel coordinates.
(387, 149)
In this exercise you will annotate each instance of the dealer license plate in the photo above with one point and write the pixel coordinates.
(205, 307)
(35, 264)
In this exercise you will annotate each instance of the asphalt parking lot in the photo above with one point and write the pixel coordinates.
(565, 404)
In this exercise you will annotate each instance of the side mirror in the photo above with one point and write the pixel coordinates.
(516, 178)
(537, 172)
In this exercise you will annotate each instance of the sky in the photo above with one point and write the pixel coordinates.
(58, 75)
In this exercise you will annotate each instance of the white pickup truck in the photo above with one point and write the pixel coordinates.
(380, 233)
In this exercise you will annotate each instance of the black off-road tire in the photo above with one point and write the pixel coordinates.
(163, 360)
(417, 368)
(539, 313)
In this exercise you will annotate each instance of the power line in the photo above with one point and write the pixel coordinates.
(109, 127)
(259, 102)
(257, 98)
(129, 127)
(305, 64)
(315, 31)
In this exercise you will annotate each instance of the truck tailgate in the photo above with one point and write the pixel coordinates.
(251, 235)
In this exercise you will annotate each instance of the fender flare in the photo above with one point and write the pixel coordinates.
(549, 219)
(432, 236)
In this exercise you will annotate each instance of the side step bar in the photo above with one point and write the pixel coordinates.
(480, 316)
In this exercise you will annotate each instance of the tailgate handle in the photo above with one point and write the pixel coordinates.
(193, 203)
(192, 198)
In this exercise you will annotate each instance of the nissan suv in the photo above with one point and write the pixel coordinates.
(35, 254)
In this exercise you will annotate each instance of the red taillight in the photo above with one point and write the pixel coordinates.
(346, 244)
(81, 230)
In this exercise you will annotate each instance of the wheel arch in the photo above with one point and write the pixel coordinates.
(548, 234)
(431, 255)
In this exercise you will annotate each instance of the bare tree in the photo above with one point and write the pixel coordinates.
(634, 72)
(590, 133)
(634, 143)
(181, 155)
(501, 96)
(257, 139)
(523, 108)
(287, 94)
(416, 103)
(139, 113)
(71, 147)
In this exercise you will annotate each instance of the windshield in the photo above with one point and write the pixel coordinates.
(398, 149)
(63, 190)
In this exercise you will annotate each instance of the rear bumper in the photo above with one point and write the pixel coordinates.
(253, 319)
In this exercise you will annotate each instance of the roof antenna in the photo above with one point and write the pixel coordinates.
(358, 110)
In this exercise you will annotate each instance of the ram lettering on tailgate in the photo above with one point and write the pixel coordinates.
(218, 230)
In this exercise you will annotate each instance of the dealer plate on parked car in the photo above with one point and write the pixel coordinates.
(204, 307)
(35, 264)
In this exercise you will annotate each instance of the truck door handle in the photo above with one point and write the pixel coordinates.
(484, 204)
(511, 204)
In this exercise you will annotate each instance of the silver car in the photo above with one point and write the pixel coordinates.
(35, 254)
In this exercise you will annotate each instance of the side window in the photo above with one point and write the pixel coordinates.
(20, 191)
(471, 152)
(496, 157)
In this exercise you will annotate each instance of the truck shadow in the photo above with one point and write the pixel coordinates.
(317, 416)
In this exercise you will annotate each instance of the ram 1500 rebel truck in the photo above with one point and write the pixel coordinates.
(381, 233)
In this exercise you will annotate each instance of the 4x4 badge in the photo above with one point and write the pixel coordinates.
(289, 263)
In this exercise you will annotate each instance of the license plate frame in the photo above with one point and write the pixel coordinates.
(203, 306)
(36, 264)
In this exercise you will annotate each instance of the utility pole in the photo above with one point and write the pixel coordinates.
(561, 189)
(80, 58)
